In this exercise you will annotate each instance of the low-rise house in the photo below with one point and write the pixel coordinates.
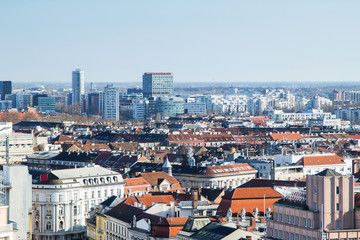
(136, 187)
(314, 164)
(162, 182)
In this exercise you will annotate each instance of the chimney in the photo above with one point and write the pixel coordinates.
(195, 198)
(252, 222)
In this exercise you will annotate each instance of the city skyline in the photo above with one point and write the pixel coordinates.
(251, 42)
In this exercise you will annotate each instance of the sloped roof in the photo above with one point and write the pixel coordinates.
(211, 194)
(213, 231)
(153, 178)
(148, 200)
(124, 212)
(321, 160)
(286, 136)
(111, 201)
(252, 193)
(257, 182)
(329, 173)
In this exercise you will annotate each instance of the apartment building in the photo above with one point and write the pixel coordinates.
(324, 210)
(62, 199)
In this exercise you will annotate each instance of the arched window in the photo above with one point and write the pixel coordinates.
(115, 179)
(37, 225)
(61, 225)
(48, 225)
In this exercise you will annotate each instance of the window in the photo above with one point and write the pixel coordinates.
(61, 197)
(48, 211)
(315, 206)
(48, 197)
(337, 206)
(310, 223)
(48, 225)
(305, 221)
(75, 210)
(315, 189)
(337, 190)
(276, 217)
(61, 225)
(75, 196)
(61, 210)
(86, 206)
(293, 220)
(99, 193)
(36, 225)
(37, 197)
(92, 194)
(105, 192)
(337, 224)
(281, 218)
(85, 195)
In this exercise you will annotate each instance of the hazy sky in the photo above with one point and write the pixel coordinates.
(199, 41)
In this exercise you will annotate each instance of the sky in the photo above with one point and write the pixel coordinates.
(197, 40)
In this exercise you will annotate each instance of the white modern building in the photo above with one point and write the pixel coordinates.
(279, 115)
(111, 103)
(78, 88)
(62, 199)
(139, 108)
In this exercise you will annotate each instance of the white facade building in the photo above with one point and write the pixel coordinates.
(111, 103)
(279, 115)
(62, 199)
(78, 88)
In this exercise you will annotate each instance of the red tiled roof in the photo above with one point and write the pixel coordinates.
(256, 192)
(153, 177)
(185, 138)
(135, 185)
(248, 198)
(222, 137)
(321, 160)
(286, 136)
(148, 200)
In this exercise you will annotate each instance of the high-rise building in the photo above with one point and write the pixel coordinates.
(157, 84)
(5, 88)
(95, 103)
(111, 103)
(78, 88)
